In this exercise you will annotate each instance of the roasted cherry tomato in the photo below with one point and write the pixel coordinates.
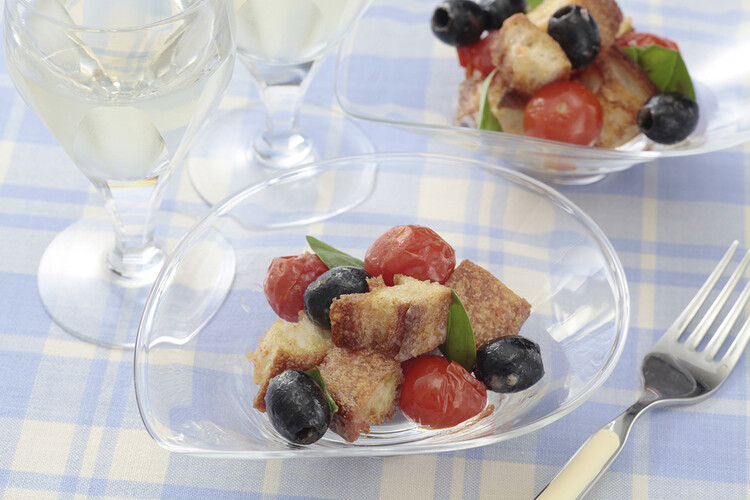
(286, 281)
(439, 393)
(478, 56)
(411, 250)
(565, 111)
(639, 39)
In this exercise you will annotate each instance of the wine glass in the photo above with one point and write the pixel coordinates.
(282, 44)
(123, 85)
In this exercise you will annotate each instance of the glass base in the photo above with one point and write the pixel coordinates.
(222, 162)
(85, 297)
(578, 180)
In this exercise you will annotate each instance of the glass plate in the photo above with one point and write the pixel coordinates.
(393, 70)
(193, 380)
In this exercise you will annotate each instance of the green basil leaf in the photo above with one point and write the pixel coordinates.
(533, 4)
(487, 120)
(332, 257)
(318, 378)
(665, 67)
(459, 341)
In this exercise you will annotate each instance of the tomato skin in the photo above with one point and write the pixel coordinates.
(411, 250)
(642, 39)
(478, 55)
(565, 111)
(438, 393)
(286, 281)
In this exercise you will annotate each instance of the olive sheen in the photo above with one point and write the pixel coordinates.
(497, 11)
(668, 117)
(297, 407)
(509, 364)
(330, 285)
(458, 22)
(575, 29)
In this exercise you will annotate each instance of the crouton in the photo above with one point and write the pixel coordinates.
(400, 321)
(527, 57)
(364, 385)
(606, 13)
(287, 346)
(507, 107)
(469, 100)
(494, 310)
(621, 87)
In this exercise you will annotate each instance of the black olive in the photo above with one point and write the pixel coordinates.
(297, 407)
(509, 364)
(458, 22)
(330, 285)
(575, 29)
(668, 117)
(497, 11)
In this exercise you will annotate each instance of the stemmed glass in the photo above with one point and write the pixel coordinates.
(123, 85)
(282, 44)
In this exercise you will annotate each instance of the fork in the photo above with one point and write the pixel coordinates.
(673, 372)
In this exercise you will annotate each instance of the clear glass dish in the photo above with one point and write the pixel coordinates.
(393, 70)
(193, 380)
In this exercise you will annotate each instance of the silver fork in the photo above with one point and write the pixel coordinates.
(673, 372)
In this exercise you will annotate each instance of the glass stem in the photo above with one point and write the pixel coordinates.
(132, 206)
(281, 89)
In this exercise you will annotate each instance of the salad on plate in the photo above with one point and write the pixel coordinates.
(404, 329)
(575, 71)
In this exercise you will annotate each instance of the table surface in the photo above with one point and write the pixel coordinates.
(70, 427)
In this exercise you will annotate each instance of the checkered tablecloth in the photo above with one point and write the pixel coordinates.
(70, 428)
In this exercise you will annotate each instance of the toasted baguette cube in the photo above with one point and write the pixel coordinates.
(527, 57)
(287, 346)
(400, 321)
(507, 107)
(606, 13)
(364, 385)
(494, 310)
(621, 87)
(469, 99)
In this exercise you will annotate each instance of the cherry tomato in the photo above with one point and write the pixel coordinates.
(286, 281)
(438, 393)
(411, 250)
(639, 39)
(565, 111)
(478, 55)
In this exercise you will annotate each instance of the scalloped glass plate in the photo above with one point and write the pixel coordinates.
(393, 70)
(207, 308)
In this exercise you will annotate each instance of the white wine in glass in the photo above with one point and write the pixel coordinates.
(123, 85)
(282, 44)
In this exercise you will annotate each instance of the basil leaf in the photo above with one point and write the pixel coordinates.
(459, 341)
(332, 257)
(665, 67)
(533, 4)
(487, 120)
(318, 378)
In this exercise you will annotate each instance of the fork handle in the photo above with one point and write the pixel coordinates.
(594, 457)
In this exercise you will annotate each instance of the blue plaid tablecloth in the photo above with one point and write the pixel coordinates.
(69, 424)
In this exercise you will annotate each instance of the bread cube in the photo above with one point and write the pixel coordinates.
(364, 385)
(507, 107)
(621, 87)
(287, 346)
(494, 310)
(400, 321)
(469, 100)
(606, 13)
(527, 57)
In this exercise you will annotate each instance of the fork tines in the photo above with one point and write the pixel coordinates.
(722, 332)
